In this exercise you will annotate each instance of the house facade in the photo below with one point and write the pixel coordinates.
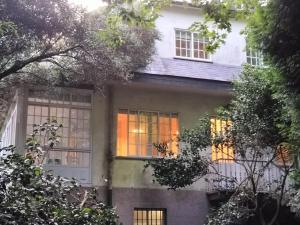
(105, 140)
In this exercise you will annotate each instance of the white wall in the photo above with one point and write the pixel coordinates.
(231, 53)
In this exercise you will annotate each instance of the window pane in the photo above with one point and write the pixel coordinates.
(221, 152)
(122, 133)
(75, 133)
(138, 131)
(149, 217)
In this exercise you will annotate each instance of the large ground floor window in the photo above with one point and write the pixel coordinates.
(71, 110)
(137, 131)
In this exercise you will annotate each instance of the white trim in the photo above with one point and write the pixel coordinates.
(209, 59)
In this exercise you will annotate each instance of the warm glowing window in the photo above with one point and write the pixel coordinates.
(149, 217)
(190, 45)
(221, 152)
(137, 132)
(283, 157)
(73, 111)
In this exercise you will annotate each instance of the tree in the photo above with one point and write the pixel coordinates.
(254, 136)
(277, 35)
(30, 195)
(55, 44)
(57, 36)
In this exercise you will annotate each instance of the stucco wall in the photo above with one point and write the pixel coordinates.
(183, 207)
(231, 53)
(190, 106)
(99, 140)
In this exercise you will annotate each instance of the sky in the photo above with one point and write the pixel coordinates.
(88, 4)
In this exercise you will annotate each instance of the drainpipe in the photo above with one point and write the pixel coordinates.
(109, 152)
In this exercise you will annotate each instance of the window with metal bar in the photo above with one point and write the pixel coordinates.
(150, 217)
(221, 152)
(190, 45)
(137, 131)
(73, 111)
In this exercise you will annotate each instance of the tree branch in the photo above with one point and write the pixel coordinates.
(21, 64)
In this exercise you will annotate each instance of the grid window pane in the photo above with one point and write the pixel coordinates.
(137, 131)
(190, 45)
(149, 217)
(221, 152)
(74, 146)
(254, 57)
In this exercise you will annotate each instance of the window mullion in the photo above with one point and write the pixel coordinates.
(192, 45)
(138, 134)
(128, 114)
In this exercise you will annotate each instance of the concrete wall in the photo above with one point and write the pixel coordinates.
(183, 207)
(129, 172)
(100, 140)
(231, 53)
(132, 185)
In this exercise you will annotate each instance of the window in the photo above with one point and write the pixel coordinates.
(221, 152)
(73, 111)
(150, 217)
(283, 157)
(138, 130)
(9, 132)
(254, 57)
(190, 45)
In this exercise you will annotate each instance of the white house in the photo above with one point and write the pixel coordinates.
(105, 139)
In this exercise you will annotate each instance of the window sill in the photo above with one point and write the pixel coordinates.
(140, 158)
(194, 59)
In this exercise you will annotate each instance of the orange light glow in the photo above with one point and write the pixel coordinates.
(221, 152)
(122, 134)
(138, 131)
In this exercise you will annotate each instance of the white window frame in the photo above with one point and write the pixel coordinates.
(47, 103)
(209, 59)
(8, 136)
(254, 55)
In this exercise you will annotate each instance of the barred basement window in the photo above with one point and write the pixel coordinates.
(73, 111)
(150, 217)
(221, 152)
(138, 130)
(190, 45)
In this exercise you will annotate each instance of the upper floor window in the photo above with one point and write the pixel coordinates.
(73, 111)
(149, 217)
(254, 57)
(190, 45)
(137, 131)
(221, 152)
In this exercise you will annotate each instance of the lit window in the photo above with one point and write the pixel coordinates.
(190, 45)
(73, 112)
(283, 157)
(221, 152)
(137, 132)
(150, 217)
(254, 57)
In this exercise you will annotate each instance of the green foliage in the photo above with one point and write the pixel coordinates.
(258, 125)
(31, 196)
(53, 42)
(255, 112)
(177, 171)
(276, 31)
(236, 211)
